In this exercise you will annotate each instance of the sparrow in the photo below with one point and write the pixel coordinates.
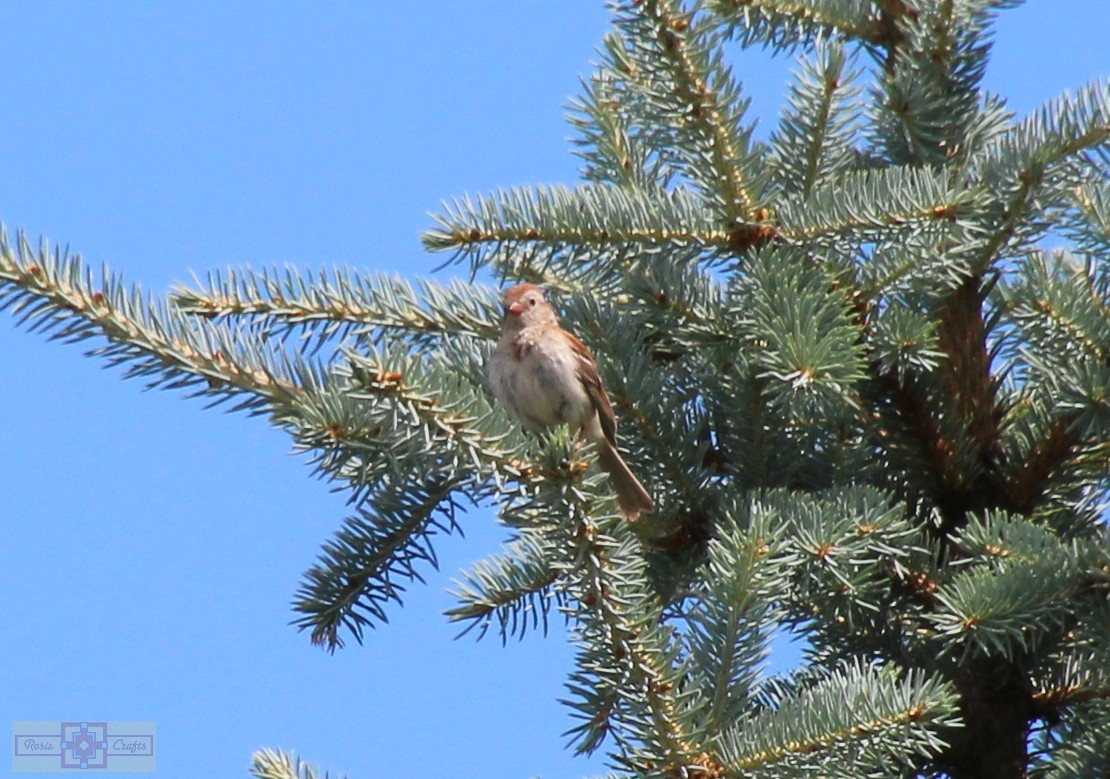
(543, 376)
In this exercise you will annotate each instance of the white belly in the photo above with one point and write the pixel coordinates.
(542, 388)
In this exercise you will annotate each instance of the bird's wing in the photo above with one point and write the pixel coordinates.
(587, 374)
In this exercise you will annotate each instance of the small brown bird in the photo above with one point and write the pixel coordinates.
(544, 376)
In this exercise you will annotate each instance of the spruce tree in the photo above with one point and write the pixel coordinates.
(872, 406)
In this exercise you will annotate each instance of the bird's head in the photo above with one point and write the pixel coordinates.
(525, 305)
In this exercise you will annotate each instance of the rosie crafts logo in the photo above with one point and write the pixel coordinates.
(113, 745)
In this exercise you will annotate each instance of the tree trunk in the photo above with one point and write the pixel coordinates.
(993, 742)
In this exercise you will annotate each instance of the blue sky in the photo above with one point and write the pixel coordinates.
(151, 547)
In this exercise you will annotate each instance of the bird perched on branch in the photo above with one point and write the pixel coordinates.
(543, 376)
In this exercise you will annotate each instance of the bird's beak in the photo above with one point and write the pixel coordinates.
(516, 308)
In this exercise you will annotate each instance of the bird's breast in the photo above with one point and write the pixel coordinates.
(541, 384)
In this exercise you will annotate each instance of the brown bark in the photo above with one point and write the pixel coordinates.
(997, 714)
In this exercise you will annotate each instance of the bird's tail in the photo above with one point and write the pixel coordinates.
(631, 495)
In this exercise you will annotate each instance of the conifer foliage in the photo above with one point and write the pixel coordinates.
(872, 409)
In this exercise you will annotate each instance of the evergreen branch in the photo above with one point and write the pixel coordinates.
(343, 300)
(276, 764)
(587, 214)
(1076, 687)
(926, 106)
(1061, 128)
(867, 203)
(1062, 306)
(813, 142)
(1016, 166)
(1064, 411)
(435, 399)
(579, 239)
(380, 417)
(807, 340)
(998, 539)
(57, 294)
(622, 145)
(1054, 699)
(404, 452)
(1090, 228)
(1081, 749)
(907, 269)
(54, 293)
(627, 679)
(691, 91)
(841, 547)
(904, 344)
(1078, 672)
(384, 417)
(511, 587)
(784, 24)
(1002, 608)
(731, 617)
(679, 304)
(357, 572)
(615, 152)
(1087, 399)
(605, 143)
(860, 716)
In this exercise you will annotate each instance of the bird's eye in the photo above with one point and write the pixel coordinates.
(531, 301)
